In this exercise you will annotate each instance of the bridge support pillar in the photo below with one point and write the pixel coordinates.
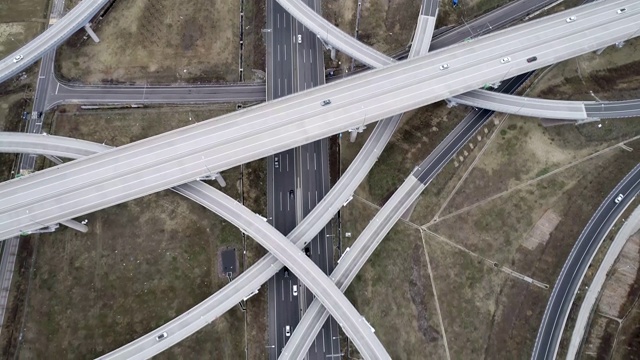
(219, 179)
(91, 33)
(54, 159)
(354, 133)
(450, 103)
(72, 224)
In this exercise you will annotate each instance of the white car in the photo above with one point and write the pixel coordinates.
(444, 66)
(17, 58)
(505, 60)
(571, 18)
(619, 198)
(295, 290)
(162, 336)
(299, 39)
(620, 11)
(287, 330)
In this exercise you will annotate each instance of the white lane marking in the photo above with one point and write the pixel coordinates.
(278, 52)
(278, 15)
(307, 161)
(315, 161)
(285, 52)
(57, 87)
(309, 200)
(290, 291)
(278, 87)
(280, 200)
(282, 288)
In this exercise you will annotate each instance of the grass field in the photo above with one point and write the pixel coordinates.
(393, 290)
(141, 264)
(155, 41)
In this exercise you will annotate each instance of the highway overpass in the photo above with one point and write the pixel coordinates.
(55, 35)
(247, 221)
(167, 160)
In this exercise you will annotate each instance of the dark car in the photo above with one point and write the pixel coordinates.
(291, 194)
(532, 59)
(307, 251)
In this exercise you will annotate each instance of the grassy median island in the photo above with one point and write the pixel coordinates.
(141, 264)
(158, 41)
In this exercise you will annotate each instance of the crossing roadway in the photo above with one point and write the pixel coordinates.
(181, 155)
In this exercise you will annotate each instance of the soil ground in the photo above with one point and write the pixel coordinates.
(525, 171)
(155, 41)
(20, 21)
(141, 264)
(393, 290)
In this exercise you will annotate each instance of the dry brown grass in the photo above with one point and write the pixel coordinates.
(393, 290)
(155, 41)
(141, 264)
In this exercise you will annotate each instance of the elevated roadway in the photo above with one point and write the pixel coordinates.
(575, 268)
(332, 35)
(232, 211)
(50, 38)
(389, 214)
(170, 159)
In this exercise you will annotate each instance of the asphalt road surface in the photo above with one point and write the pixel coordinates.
(574, 269)
(370, 96)
(365, 98)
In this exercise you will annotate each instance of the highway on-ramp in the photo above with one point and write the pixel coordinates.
(50, 38)
(251, 224)
(167, 160)
(574, 269)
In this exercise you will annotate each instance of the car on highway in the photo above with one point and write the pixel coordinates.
(532, 59)
(276, 162)
(291, 194)
(287, 330)
(18, 58)
(444, 66)
(295, 290)
(571, 18)
(162, 336)
(286, 272)
(619, 198)
(307, 251)
(326, 102)
(623, 10)
(505, 60)
(299, 39)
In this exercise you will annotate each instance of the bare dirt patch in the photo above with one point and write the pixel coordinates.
(621, 280)
(151, 41)
(541, 231)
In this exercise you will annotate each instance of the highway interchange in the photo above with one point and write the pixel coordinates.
(600, 38)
